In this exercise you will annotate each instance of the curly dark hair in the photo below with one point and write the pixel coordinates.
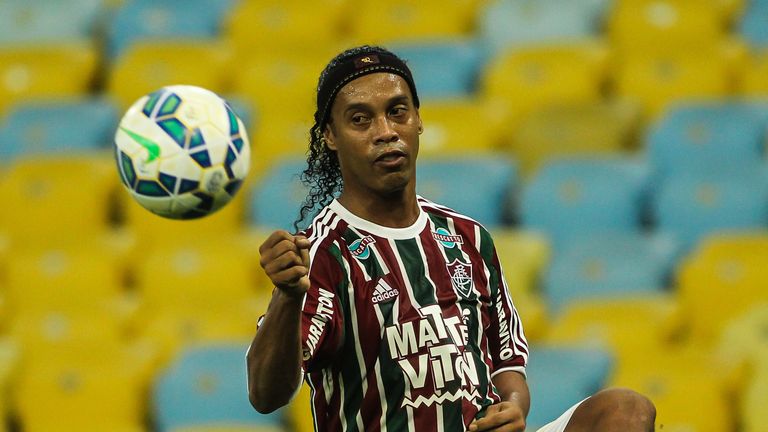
(322, 175)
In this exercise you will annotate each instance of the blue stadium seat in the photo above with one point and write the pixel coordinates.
(66, 126)
(578, 196)
(23, 21)
(609, 264)
(707, 136)
(170, 19)
(443, 68)
(691, 206)
(752, 25)
(205, 386)
(478, 186)
(278, 195)
(560, 376)
(507, 23)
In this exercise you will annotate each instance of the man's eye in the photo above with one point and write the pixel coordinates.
(398, 111)
(358, 119)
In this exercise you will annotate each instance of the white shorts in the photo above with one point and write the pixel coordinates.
(561, 422)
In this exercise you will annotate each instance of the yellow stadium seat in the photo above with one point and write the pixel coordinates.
(526, 78)
(89, 390)
(458, 126)
(67, 279)
(147, 66)
(629, 327)
(300, 411)
(281, 85)
(57, 198)
(742, 345)
(658, 79)
(169, 331)
(722, 280)
(26, 71)
(256, 28)
(643, 25)
(752, 412)
(379, 22)
(684, 385)
(523, 256)
(197, 277)
(146, 228)
(753, 75)
(589, 128)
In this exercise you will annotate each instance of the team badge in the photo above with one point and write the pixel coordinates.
(359, 248)
(461, 277)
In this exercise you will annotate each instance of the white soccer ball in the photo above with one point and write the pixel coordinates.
(182, 152)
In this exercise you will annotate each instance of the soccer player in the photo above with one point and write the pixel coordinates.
(394, 308)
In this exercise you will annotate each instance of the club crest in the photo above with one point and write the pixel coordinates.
(461, 277)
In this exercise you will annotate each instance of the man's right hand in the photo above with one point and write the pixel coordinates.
(285, 260)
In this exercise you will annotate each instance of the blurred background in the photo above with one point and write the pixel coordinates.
(614, 148)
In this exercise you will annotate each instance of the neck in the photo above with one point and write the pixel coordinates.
(395, 210)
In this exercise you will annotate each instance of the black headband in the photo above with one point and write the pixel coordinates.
(354, 68)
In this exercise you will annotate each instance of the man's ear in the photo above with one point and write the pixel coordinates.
(421, 125)
(329, 137)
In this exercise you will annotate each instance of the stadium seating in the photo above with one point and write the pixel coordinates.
(147, 66)
(607, 265)
(25, 71)
(575, 129)
(753, 75)
(56, 199)
(402, 20)
(264, 28)
(72, 126)
(147, 20)
(605, 323)
(742, 344)
(730, 265)
(691, 206)
(459, 126)
(657, 79)
(707, 136)
(580, 196)
(646, 25)
(276, 201)
(530, 77)
(87, 386)
(685, 386)
(443, 68)
(752, 409)
(752, 24)
(444, 181)
(561, 376)
(25, 22)
(511, 23)
(205, 386)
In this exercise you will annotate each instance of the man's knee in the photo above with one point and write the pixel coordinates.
(626, 405)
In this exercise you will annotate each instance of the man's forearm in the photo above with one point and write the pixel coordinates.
(274, 357)
(513, 387)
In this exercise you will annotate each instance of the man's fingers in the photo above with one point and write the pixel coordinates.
(291, 277)
(273, 239)
(283, 262)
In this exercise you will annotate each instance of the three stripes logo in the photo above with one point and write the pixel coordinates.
(383, 292)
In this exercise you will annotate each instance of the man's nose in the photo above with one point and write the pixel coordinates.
(384, 131)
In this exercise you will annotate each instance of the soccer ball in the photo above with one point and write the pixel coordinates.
(182, 152)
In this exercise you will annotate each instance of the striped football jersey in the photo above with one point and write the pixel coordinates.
(404, 328)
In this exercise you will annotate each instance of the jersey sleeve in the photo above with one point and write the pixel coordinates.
(322, 324)
(507, 343)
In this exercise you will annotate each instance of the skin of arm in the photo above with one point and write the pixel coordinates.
(274, 357)
(508, 415)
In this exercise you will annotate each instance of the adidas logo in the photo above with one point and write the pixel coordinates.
(383, 292)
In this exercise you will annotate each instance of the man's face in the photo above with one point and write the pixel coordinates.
(375, 129)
